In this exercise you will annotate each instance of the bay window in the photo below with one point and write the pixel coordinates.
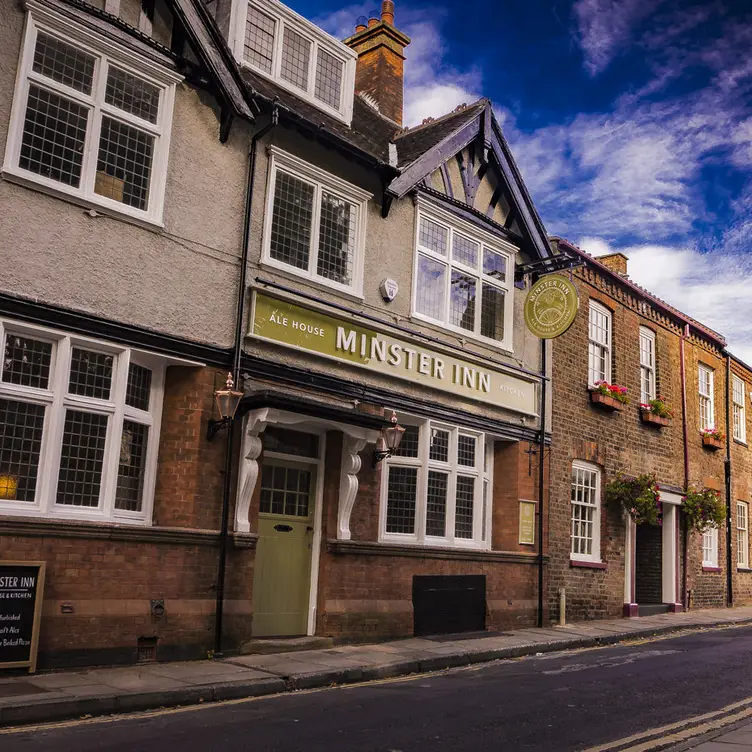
(435, 488)
(79, 426)
(90, 122)
(463, 280)
(315, 224)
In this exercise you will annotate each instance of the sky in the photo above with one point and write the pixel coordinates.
(631, 121)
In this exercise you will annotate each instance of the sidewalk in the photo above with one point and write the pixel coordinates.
(69, 694)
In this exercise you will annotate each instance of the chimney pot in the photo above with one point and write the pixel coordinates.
(616, 262)
(373, 18)
(360, 24)
(387, 12)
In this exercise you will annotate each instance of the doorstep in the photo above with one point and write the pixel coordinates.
(37, 698)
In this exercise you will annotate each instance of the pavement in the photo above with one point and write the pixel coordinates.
(61, 695)
(738, 740)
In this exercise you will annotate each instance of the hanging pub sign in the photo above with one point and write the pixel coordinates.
(551, 305)
(21, 592)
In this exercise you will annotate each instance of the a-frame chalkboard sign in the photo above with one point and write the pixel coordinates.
(21, 593)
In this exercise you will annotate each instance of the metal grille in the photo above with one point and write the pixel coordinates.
(21, 426)
(401, 495)
(259, 39)
(291, 221)
(463, 511)
(134, 95)
(436, 504)
(462, 306)
(336, 239)
(287, 441)
(296, 54)
(138, 388)
(742, 534)
(90, 374)
(433, 236)
(584, 504)
(54, 137)
(130, 481)
(439, 449)
(27, 361)
(81, 459)
(63, 63)
(124, 163)
(494, 265)
(465, 250)
(328, 79)
(409, 445)
(285, 490)
(492, 312)
(466, 450)
(431, 287)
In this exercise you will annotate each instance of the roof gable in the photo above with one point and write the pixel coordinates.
(465, 157)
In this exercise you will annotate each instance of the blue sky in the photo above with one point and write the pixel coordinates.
(631, 121)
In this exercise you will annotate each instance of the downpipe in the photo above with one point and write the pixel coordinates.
(685, 534)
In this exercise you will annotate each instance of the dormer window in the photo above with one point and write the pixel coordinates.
(279, 44)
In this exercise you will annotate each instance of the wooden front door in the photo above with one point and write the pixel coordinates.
(282, 578)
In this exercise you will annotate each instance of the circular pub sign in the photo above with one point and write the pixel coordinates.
(551, 306)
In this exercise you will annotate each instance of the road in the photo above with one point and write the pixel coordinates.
(554, 703)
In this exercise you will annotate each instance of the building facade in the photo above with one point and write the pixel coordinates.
(601, 562)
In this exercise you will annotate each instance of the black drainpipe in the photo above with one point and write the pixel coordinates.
(237, 351)
(541, 469)
(727, 475)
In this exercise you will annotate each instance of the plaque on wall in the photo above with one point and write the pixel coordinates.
(21, 592)
(527, 523)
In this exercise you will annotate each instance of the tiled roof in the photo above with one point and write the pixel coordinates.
(414, 142)
(369, 132)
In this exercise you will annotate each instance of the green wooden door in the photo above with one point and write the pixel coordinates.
(281, 583)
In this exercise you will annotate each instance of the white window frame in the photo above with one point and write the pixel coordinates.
(285, 17)
(455, 225)
(710, 547)
(647, 365)
(320, 180)
(598, 309)
(595, 554)
(57, 400)
(706, 396)
(742, 534)
(738, 408)
(482, 472)
(106, 53)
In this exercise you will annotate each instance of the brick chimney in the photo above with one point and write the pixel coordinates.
(379, 73)
(616, 262)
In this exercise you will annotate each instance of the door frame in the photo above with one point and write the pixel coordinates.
(318, 497)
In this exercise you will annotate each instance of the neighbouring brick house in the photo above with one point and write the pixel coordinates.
(624, 335)
(382, 277)
(121, 230)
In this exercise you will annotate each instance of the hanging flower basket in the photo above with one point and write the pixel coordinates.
(639, 497)
(703, 509)
(610, 396)
(656, 412)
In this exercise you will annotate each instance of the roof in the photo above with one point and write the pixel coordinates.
(642, 292)
(370, 132)
(414, 142)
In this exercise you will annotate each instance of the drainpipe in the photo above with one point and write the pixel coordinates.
(727, 476)
(541, 469)
(237, 352)
(685, 553)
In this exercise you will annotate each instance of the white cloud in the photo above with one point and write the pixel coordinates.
(432, 86)
(713, 288)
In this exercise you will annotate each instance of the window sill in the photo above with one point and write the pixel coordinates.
(711, 569)
(579, 563)
(316, 283)
(106, 210)
(463, 337)
(744, 569)
(741, 443)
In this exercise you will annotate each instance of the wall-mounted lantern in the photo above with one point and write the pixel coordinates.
(389, 440)
(227, 400)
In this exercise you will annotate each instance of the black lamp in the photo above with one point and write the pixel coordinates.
(227, 400)
(389, 440)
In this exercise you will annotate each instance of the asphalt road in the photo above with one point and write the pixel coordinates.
(555, 703)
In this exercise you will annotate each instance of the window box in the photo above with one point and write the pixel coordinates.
(648, 416)
(606, 402)
(710, 442)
